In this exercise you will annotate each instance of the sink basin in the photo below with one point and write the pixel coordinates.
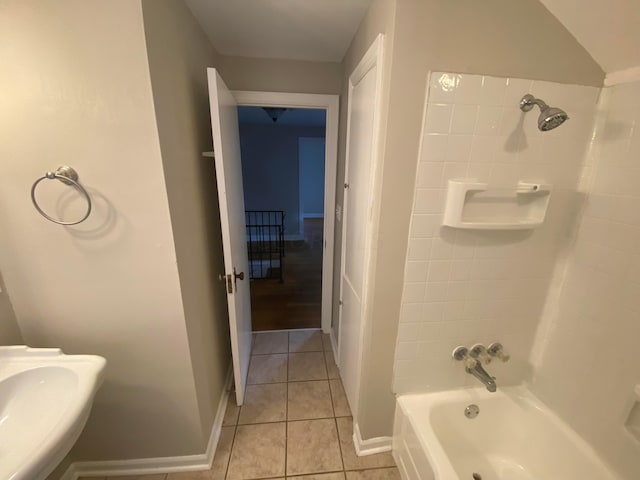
(45, 399)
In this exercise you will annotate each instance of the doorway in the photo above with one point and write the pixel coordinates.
(283, 171)
(319, 231)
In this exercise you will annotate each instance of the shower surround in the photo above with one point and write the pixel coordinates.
(464, 286)
(563, 298)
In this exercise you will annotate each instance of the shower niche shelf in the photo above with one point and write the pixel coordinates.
(473, 205)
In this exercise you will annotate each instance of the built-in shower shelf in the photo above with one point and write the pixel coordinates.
(473, 205)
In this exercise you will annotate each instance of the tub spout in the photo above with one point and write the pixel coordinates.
(481, 374)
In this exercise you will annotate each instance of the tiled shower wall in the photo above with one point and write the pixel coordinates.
(589, 355)
(464, 286)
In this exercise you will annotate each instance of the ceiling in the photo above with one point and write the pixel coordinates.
(300, 117)
(315, 30)
(609, 30)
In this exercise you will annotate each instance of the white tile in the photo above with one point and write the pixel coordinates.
(488, 122)
(463, 121)
(419, 249)
(484, 149)
(458, 149)
(438, 118)
(493, 90)
(429, 174)
(442, 87)
(416, 272)
(411, 312)
(436, 292)
(439, 270)
(441, 248)
(480, 171)
(413, 292)
(516, 89)
(429, 200)
(452, 171)
(469, 89)
(433, 311)
(434, 148)
(409, 332)
(423, 226)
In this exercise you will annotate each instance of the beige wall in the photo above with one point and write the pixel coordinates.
(270, 75)
(179, 54)
(9, 330)
(76, 89)
(496, 37)
(588, 366)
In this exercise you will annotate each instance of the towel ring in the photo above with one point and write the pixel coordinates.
(68, 176)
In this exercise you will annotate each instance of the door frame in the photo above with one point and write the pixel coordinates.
(331, 104)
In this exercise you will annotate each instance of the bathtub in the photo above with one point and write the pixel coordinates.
(513, 437)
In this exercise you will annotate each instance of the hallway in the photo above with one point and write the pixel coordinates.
(295, 303)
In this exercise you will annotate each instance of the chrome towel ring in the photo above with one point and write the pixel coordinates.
(68, 176)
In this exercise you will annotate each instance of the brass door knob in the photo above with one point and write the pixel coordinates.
(238, 275)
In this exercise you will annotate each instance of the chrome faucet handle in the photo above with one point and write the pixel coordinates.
(462, 354)
(497, 350)
(479, 352)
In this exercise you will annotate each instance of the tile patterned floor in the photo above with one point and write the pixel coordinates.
(295, 422)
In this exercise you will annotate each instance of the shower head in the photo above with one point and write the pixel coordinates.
(550, 117)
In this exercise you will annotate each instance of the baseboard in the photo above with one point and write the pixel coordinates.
(144, 466)
(313, 215)
(370, 446)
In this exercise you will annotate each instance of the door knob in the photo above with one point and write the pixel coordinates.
(238, 275)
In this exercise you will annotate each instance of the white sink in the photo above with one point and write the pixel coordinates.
(45, 399)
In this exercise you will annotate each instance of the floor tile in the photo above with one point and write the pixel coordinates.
(349, 457)
(258, 452)
(264, 403)
(377, 474)
(321, 476)
(312, 447)
(305, 341)
(326, 342)
(220, 460)
(232, 411)
(339, 398)
(307, 400)
(267, 369)
(307, 366)
(273, 342)
(332, 368)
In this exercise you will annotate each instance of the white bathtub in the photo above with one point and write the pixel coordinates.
(514, 437)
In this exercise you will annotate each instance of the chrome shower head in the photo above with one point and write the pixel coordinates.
(550, 117)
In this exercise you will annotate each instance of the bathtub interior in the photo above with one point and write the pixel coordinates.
(514, 437)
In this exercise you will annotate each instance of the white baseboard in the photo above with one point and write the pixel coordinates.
(143, 466)
(370, 446)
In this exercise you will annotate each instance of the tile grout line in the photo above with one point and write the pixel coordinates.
(335, 419)
(286, 410)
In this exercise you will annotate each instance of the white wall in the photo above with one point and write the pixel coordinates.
(588, 344)
(463, 286)
(76, 90)
(270, 169)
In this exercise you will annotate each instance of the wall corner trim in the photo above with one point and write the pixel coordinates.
(143, 466)
(371, 445)
(622, 76)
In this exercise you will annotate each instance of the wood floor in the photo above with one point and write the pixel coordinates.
(295, 303)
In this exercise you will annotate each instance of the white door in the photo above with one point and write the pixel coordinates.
(226, 145)
(357, 227)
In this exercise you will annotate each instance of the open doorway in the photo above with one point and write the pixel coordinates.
(283, 153)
